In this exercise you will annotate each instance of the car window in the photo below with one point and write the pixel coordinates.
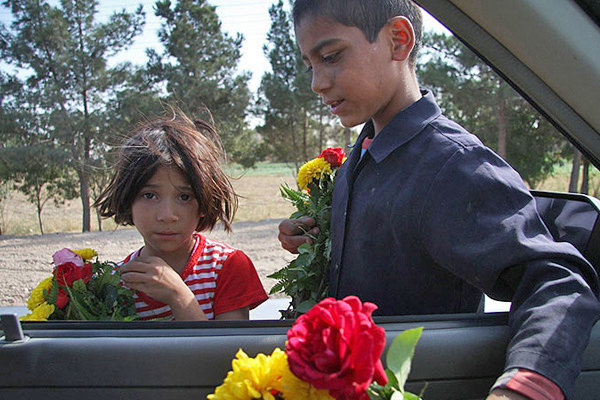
(42, 210)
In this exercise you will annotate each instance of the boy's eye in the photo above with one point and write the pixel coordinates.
(330, 58)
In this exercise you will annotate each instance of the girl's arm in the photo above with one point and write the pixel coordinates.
(154, 277)
(240, 313)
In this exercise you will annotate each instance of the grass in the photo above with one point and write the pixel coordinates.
(258, 190)
(259, 200)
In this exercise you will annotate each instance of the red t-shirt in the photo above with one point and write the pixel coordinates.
(222, 279)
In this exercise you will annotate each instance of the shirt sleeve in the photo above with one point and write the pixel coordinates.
(238, 285)
(529, 384)
(481, 223)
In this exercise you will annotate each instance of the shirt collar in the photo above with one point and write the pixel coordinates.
(403, 127)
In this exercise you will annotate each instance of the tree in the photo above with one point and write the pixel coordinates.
(472, 94)
(198, 71)
(295, 123)
(39, 172)
(64, 51)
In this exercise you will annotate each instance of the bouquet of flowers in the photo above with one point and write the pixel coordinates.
(305, 279)
(81, 289)
(332, 352)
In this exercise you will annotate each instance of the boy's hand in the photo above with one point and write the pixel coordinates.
(156, 278)
(292, 232)
(501, 394)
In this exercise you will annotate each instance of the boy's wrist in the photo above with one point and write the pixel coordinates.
(529, 384)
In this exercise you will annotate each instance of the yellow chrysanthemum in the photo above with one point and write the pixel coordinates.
(37, 295)
(41, 313)
(252, 378)
(312, 170)
(293, 388)
(86, 254)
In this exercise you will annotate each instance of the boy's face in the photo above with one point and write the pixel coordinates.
(358, 80)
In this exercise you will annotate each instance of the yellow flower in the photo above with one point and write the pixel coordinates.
(252, 378)
(41, 313)
(86, 254)
(37, 295)
(313, 169)
(293, 388)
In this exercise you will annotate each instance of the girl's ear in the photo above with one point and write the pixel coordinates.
(402, 35)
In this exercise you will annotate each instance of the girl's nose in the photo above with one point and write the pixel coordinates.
(167, 211)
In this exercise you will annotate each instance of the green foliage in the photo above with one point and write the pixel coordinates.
(198, 68)
(398, 360)
(296, 124)
(102, 298)
(472, 94)
(306, 278)
(63, 51)
(40, 172)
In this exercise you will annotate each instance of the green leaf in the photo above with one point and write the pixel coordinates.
(396, 395)
(306, 305)
(400, 354)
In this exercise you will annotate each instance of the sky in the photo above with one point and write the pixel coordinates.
(249, 17)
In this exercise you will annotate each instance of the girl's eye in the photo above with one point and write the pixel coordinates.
(185, 197)
(148, 196)
(308, 69)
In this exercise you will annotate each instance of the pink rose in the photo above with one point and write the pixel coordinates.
(68, 273)
(337, 346)
(67, 256)
(333, 155)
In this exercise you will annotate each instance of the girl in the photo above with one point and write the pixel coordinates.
(169, 184)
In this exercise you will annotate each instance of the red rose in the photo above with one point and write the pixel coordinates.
(337, 346)
(333, 155)
(68, 273)
(62, 299)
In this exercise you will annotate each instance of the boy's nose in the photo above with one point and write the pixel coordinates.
(320, 81)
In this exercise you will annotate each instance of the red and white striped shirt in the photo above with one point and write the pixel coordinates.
(222, 279)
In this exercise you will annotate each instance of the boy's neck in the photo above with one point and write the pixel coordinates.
(409, 93)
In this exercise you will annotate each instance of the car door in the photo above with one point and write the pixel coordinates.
(458, 356)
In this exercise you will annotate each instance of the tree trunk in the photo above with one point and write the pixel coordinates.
(347, 135)
(304, 137)
(585, 177)
(84, 188)
(321, 129)
(294, 146)
(502, 134)
(99, 220)
(39, 206)
(575, 171)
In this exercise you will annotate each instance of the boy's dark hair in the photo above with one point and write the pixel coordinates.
(193, 147)
(369, 16)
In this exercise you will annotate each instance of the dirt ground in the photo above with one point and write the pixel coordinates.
(26, 260)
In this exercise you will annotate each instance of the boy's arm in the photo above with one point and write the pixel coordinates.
(480, 223)
(502, 394)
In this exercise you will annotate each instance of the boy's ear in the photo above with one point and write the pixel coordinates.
(402, 36)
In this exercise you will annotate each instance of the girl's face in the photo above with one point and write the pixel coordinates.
(166, 214)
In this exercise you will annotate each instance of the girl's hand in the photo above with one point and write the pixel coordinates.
(156, 278)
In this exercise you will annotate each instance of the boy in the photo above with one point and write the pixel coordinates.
(424, 217)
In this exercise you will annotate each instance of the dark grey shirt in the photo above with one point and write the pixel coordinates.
(429, 218)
